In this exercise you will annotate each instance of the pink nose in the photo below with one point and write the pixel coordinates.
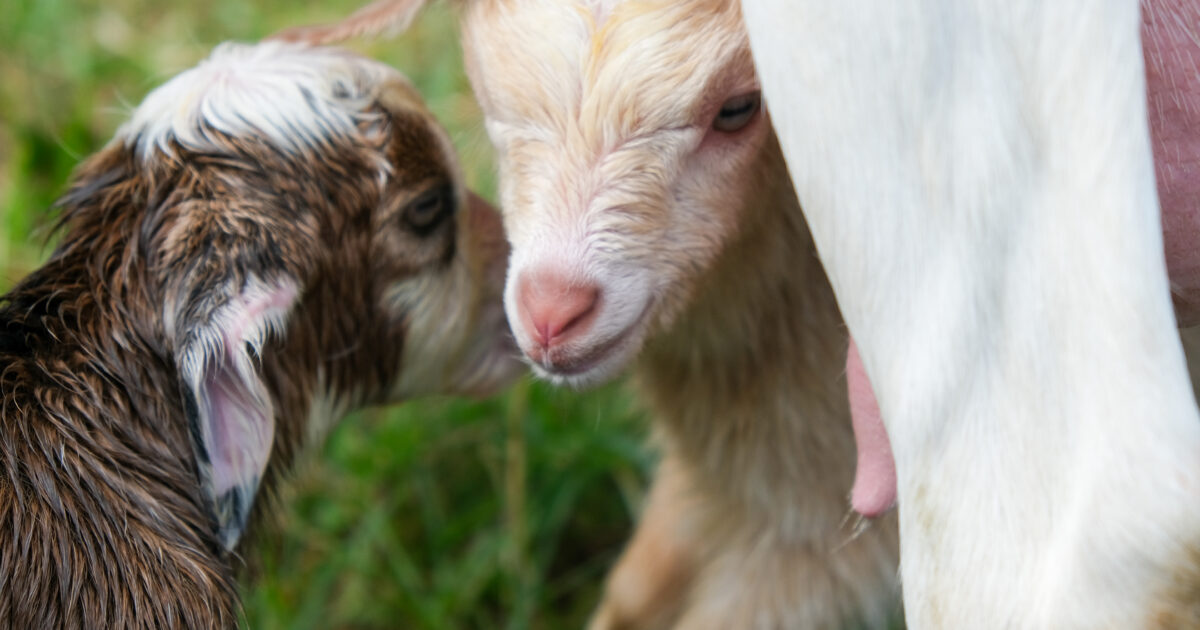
(556, 309)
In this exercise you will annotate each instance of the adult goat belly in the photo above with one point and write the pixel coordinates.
(1171, 44)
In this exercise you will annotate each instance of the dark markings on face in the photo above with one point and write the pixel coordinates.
(423, 209)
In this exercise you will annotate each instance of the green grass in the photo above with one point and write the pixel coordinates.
(450, 514)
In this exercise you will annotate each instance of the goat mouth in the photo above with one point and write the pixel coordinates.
(590, 367)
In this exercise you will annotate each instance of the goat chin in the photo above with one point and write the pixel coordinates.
(237, 269)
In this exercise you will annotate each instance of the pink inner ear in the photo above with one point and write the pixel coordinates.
(252, 309)
(240, 419)
(236, 419)
(239, 430)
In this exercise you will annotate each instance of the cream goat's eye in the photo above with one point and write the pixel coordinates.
(737, 112)
(424, 213)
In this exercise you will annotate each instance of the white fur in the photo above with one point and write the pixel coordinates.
(293, 94)
(978, 178)
(325, 410)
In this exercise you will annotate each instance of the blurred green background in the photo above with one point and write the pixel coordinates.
(503, 513)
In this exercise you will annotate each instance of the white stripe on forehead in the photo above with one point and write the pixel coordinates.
(293, 95)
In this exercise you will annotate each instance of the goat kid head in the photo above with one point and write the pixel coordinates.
(310, 244)
(625, 158)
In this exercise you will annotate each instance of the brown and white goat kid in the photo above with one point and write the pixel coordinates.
(271, 241)
(653, 222)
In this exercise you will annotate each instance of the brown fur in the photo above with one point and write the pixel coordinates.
(103, 521)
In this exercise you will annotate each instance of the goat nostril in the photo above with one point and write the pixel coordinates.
(557, 309)
(571, 309)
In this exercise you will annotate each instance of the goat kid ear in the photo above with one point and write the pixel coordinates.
(219, 342)
(383, 17)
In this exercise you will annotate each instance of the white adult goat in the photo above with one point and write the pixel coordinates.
(1003, 272)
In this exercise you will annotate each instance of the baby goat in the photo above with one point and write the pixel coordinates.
(270, 242)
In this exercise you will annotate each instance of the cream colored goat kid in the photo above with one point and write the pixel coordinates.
(653, 223)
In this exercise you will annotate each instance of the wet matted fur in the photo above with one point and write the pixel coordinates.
(271, 241)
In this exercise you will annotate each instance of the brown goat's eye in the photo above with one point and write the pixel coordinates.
(430, 209)
(737, 112)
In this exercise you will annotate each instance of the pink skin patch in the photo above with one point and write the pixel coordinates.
(239, 429)
(875, 475)
(240, 425)
(1171, 44)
